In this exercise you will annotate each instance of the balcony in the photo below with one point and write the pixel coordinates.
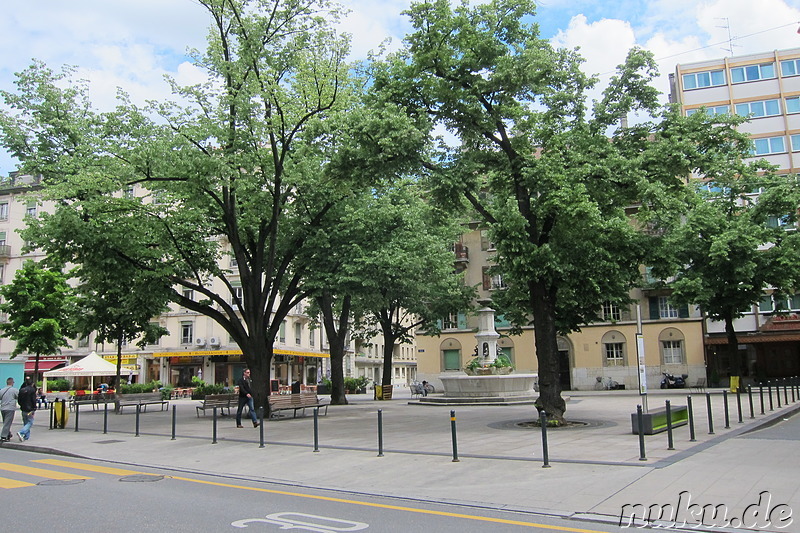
(5, 251)
(461, 252)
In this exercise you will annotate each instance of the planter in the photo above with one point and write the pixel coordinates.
(489, 371)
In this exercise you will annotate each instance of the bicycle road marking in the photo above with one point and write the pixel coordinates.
(39, 472)
(387, 506)
(91, 468)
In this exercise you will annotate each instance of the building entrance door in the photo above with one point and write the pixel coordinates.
(564, 370)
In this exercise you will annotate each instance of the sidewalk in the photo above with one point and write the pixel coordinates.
(595, 469)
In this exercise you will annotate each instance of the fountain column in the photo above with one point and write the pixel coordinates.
(486, 336)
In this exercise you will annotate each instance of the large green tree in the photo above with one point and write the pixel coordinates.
(39, 305)
(550, 178)
(735, 238)
(238, 175)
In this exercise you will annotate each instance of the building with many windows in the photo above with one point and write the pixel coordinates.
(601, 353)
(766, 88)
(196, 345)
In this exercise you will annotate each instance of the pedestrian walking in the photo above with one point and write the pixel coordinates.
(27, 404)
(246, 398)
(8, 406)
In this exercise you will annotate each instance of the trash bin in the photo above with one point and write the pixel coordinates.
(383, 392)
(378, 391)
(60, 414)
(734, 383)
(296, 387)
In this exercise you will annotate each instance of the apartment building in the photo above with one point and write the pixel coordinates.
(765, 87)
(601, 353)
(196, 345)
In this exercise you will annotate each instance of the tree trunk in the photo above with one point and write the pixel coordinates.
(388, 351)
(545, 335)
(337, 338)
(734, 365)
(258, 354)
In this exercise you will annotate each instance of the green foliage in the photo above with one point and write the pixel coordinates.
(201, 389)
(39, 304)
(356, 384)
(502, 361)
(138, 388)
(58, 385)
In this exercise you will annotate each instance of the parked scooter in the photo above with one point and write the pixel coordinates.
(674, 382)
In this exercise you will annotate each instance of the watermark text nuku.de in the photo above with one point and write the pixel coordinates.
(761, 514)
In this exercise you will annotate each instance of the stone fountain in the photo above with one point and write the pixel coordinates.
(487, 383)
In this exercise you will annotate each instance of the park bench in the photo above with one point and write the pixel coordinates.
(95, 400)
(142, 399)
(655, 421)
(220, 401)
(295, 403)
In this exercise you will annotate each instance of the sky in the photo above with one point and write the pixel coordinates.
(132, 44)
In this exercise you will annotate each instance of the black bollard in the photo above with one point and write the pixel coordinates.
(761, 396)
(640, 422)
(670, 442)
(750, 401)
(173, 422)
(380, 432)
(138, 412)
(778, 393)
(710, 414)
(52, 413)
(785, 393)
(691, 418)
(261, 427)
(316, 429)
(454, 436)
(105, 418)
(727, 413)
(214, 425)
(769, 392)
(77, 411)
(739, 404)
(792, 387)
(545, 449)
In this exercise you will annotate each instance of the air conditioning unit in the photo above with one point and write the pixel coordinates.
(213, 341)
(199, 341)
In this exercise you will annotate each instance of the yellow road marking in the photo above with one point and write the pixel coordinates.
(386, 506)
(6, 483)
(89, 468)
(39, 472)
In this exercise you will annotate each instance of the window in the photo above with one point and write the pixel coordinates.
(282, 333)
(83, 342)
(611, 312)
(452, 359)
(753, 73)
(673, 352)
(298, 333)
(698, 80)
(237, 295)
(712, 111)
(311, 334)
(450, 321)
(157, 340)
(793, 105)
(777, 222)
(2, 238)
(187, 332)
(763, 108)
(497, 282)
(188, 294)
(30, 210)
(3, 210)
(615, 353)
(129, 192)
(234, 262)
(771, 145)
(790, 67)
(795, 143)
(766, 305)
(666, 309)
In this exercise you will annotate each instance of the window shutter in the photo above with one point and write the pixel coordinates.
(462, 320)
(683, 311)
(654, 314)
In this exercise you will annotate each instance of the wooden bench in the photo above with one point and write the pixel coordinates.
(95, 400)
(295, 403)
(220, 401)
(142, 399)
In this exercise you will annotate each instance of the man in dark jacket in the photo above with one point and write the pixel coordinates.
(246, 398)
(27, 404)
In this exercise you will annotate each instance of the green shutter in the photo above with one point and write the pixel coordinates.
(654, 314)
(462, 320)
(452, 359)
(683, 311)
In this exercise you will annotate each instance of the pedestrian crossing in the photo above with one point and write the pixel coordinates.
(24, 475)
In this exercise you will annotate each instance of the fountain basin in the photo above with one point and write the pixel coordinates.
(498, 386)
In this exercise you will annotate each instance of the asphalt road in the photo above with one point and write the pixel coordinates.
(45, 493)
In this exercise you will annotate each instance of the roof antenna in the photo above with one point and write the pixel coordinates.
(727, 27)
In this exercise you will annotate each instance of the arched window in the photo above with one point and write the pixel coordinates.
(450, 350)
(671, 343)
(614, 349)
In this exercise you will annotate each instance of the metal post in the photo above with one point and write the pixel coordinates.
(785, 393)
(77, 411)
(52, 412)
(639, 419)
(316, 429)
(545, 448)
(778, 392)
(214, 426)
(691, 418)
(173, 422)
(261, 426)
(739, 403)
(105, 418)
(761, 396)
(769, 392)
(792, 387)
(670, 442)
(710, 415)
(750, 401)
(727, 414)
(138, 411)
(380, 432)
(453, 434)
